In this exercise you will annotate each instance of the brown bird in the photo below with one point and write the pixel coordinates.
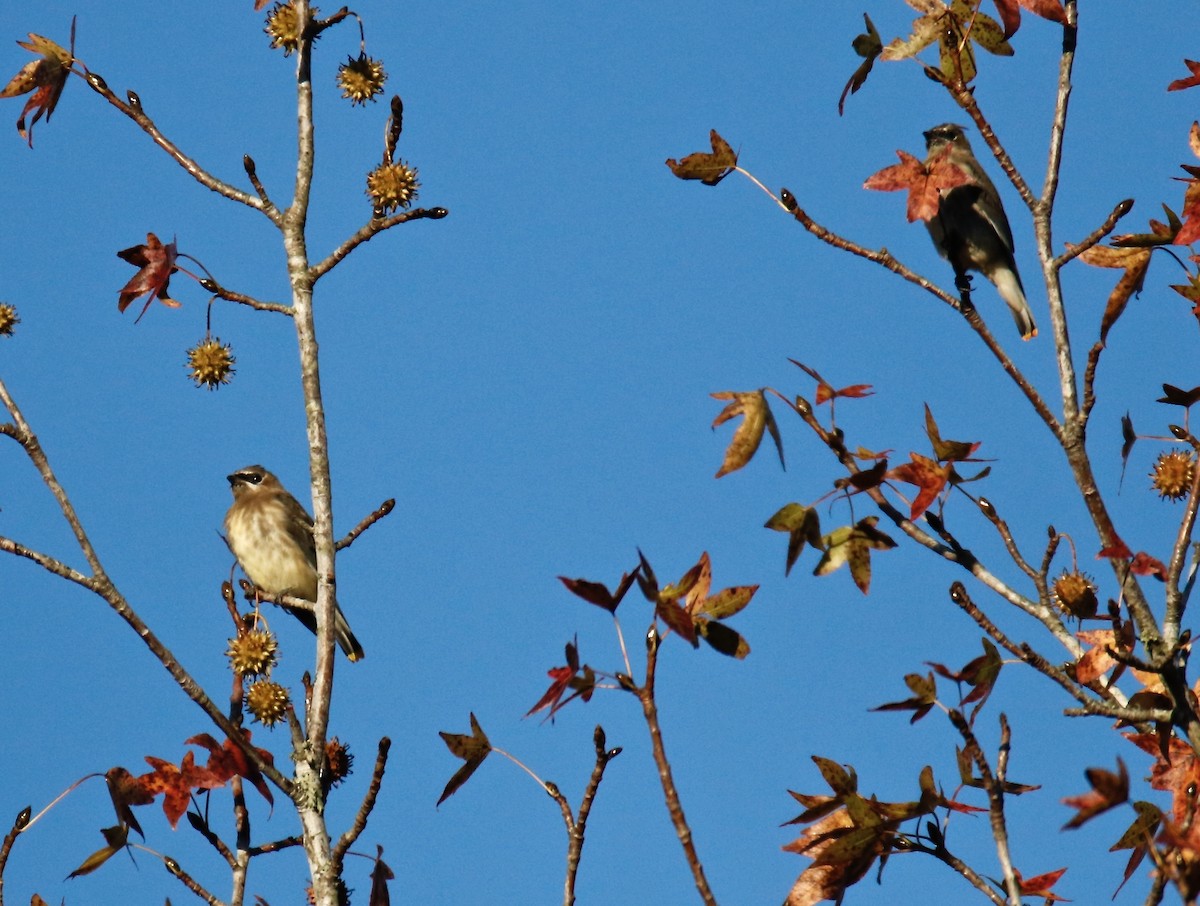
(271, 535)
(971, 229)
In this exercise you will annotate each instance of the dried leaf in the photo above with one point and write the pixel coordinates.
(709, 168)
(868, 46)
(927, 475)
(472, 749)
(852, 545)
(924, 689)
(1108, 791)
(1135, 262)
(45, 77)
(1191, 81)
(598, 594)
(157, 263)
(756, 418)
(802, 525)
(115, 838)
(380, 875)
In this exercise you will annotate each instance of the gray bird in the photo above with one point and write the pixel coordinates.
(271, 535)
(970, 229)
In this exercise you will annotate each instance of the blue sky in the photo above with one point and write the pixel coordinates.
(530, 379)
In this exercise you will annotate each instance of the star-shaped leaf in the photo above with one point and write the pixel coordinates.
(802, 525)
(868, 46)
(45, 77)
(1108, 791)
(923, 182)
(955, 28)
(472, 749)
(157, 263)
(928, 475)
(852, 545)
(924, 697)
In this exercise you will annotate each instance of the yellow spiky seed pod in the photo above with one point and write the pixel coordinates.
(253, 653)
(284, 28)
(361, 78)
(210, 363)
(1172, 474)
(1075, 593)
(392, 186)
(267, 701)
(8, 319)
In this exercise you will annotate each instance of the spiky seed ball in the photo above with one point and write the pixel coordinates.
(1076, 594)
(392, 186)
(210, 363)
(267, 701)
(8, 319)
(339, 763)
(253, 653)
(361, 78)
(1172, 474)
(283, 26)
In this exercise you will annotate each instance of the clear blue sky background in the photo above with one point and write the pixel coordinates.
(529, 378)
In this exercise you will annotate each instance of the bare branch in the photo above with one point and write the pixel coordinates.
(367, 232)
(364, 810)
(133, 110)
(384, 508)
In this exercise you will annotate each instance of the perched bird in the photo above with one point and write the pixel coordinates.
(271, 535)
(970, 228)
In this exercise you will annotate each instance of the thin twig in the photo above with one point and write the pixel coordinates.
(683, 831)
(577, 828)
(365, 808)
(133, 110)
(188, 881)
(384, 508)
(368, 231)
(995, 793)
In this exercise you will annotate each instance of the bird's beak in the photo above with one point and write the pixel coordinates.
(232, 479)
(927, 134)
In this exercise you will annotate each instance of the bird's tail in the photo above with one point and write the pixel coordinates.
(346, 639)
(1008, 284)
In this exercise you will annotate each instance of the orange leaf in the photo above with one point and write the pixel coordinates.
(924, 182)
(927, 475)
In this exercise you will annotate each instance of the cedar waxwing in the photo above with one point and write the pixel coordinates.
(970, 228)
(271, 535)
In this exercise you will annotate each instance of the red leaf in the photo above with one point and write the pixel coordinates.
(157, 263)
(1108, 791)
(1144, 565)
(1191, 81)
(1118, 550)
